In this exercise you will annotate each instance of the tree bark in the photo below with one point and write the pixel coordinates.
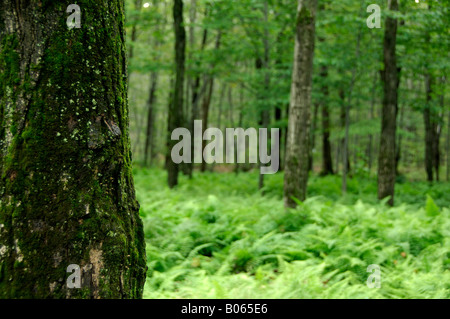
(371, 116)
(429, 152)
(265, 116)
(313, 137)
(344, 152)
(348, 105)
(448, 129)
(66, 186)
(327, 161)
(194, 104)
(205, 113)
(398, 149)
(296, 175)
(149, 152)
(390, 79)
(175, 117)
(207, 99)
(240, 121)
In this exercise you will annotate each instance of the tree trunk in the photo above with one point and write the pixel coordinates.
(398, 148)
(338, 155)
(296, 166)
(175, 117)
(149, 152)
(428, 131)
(448, 129)
(371, 116)
(390, 79)
(207, 100)
(265, 113)
(205, 114)
(66, 186)
(438, 119)
(327, 161)
(344, 153)
(194, 103)
(313, 138)
(137, 7)
(240, 121)
(346, 157)
(219, 115)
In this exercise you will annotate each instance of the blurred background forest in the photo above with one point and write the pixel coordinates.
(223, 232)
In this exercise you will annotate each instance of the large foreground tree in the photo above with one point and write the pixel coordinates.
(66, 189)
(297, 148)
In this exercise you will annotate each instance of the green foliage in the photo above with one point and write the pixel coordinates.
(216, 237)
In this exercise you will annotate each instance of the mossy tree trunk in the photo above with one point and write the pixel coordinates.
(66, 189)
(390, 78)
(297, 151)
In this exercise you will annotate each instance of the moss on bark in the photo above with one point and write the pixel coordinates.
(66, 189)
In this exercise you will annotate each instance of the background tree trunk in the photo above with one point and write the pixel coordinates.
(149, 152)
(390, 79)
(448, 129)
(209, 82)
(313, 137)
(327, 161)
(66, 188)
(429, 131)
(371, 116)
(194, 103)
(344, 152)
(175, 117)
(296, 175)
(398, 148)
(265, 116)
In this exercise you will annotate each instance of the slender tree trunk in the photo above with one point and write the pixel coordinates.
(338, 154)
(192, 84)
(66, 186)
(296, 175)
(219, 114)
(285, 134)
(437, 136)
(278, 118)
(448, 144)
(205, 113)
(371, 116)
(241, 115)
(429, 129)
(149, 136)
(137, 7)
(207, 99)
(347, 113)
(194, 103)
(345, 158)
(265, 113)
(399, 140)
(176, 107)
(344, 152)
(391, 80)
(313, 137)
(231, 107)
(327, 161)
(448, 128)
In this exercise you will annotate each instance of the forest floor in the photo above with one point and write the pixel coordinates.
(216, 236)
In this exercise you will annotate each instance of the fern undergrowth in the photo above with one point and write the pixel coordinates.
(217, 236)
